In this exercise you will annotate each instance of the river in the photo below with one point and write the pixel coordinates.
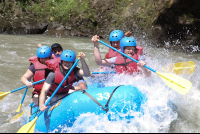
(15, 51)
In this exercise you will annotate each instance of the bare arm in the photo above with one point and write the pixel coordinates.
(43, 95)
(146, 72)
(97, 54)
(85, 71)
(26, 77)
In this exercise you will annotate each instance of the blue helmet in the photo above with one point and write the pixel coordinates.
(44, 52)
(127, 41)
(116, 35)
(68, 55)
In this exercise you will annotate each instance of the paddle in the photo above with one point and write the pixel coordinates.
(175, 82)
(3, 94)
(22, 99)
(16, 117)
(187, 67)
(18, 110)
(112, 72)
(30, 127)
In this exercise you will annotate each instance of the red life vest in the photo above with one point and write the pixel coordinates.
(139, 50)
(54, 65)
(111, 53)
(126, 65)
(39, 73)
(53, 56)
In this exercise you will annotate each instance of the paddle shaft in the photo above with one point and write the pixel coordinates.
(126, 55)
(26, 86)
(112, 72)
(24, 94)
(59, 85)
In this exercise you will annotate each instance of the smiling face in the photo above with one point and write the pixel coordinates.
(66, 64)
(129, 50)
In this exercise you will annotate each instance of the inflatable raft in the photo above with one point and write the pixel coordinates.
(105, 100)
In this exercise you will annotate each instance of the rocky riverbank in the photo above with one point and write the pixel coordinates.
(173, 24)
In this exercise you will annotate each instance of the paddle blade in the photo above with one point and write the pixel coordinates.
(28, 128)
(181, 68)
(3, 94)
(16, 117)
(175, 82)
(19, 107)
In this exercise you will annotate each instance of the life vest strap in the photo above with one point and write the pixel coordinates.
(125, 64)
(39, 69)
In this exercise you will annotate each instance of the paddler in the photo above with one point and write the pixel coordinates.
(57, 49)
(37, 71)
(121, 63)
(60, 67)
(114, 38)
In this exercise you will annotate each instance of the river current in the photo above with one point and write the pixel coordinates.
(181, 116)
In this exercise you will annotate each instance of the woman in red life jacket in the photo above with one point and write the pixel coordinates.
(37, 71)
(60, 69)
(121, 63)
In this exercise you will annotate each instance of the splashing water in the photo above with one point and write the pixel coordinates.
(164, 111)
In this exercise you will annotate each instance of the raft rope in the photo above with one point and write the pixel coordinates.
(105, 108)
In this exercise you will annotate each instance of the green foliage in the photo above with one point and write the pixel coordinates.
(60, 10)
(143, 3)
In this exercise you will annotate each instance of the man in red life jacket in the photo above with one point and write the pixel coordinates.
(121, 63)
(114, 37)
(60, 69)
(37, 71)
(57, 49)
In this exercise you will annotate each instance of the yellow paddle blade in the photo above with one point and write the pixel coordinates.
(175, 82)
(3, 94)
(29, 127)
(181, 68)
(19, 107)
(16, 117)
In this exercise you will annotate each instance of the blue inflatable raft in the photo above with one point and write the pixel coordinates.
(104, 100)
